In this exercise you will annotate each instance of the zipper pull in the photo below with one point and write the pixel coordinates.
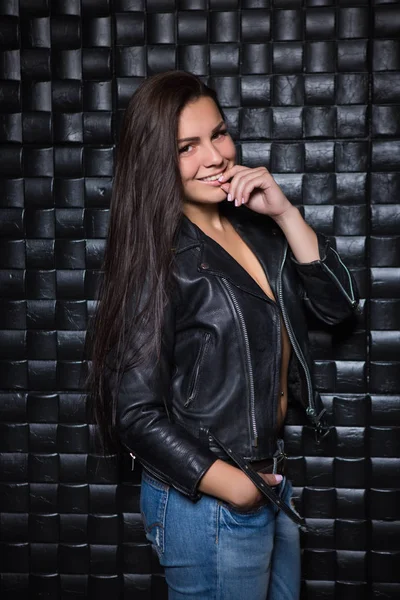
(311, 412)
(255, 441)
(133, 461)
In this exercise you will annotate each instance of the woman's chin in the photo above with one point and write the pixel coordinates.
(213, 197)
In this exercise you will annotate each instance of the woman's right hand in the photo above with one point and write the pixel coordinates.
(247, 495)
(232, 485)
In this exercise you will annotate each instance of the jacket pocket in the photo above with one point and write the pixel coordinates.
(195, 379)
(153, 505)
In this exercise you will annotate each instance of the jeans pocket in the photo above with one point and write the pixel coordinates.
(235, 510)
(279, 491)
(153, 506)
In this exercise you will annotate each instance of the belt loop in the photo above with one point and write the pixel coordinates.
(281, 445)
(280, 448)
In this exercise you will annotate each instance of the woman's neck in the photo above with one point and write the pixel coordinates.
(206, 216)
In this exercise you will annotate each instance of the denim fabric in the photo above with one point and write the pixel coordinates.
(212, 551)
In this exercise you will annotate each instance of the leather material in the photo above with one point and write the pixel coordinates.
(221, 352)
(312, 92)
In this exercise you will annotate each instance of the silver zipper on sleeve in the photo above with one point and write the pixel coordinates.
(352, 301)
(248, 359)
(310, 409)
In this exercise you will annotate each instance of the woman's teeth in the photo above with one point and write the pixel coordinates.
(214, 178)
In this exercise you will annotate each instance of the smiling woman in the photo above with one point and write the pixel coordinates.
(201, 320)
(210, 153)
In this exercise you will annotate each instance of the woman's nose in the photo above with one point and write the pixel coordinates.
(211, 155)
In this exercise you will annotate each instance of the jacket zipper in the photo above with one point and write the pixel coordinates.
(248, 360)
(133, 457)
(310, 409)
(202, 352)
(352, 301)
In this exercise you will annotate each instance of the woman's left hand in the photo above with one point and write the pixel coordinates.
(257, 189)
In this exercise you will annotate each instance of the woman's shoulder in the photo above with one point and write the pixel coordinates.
(188, 235)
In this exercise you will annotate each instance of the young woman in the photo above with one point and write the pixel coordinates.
(199, 338)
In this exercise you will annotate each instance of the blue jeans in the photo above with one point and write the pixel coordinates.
(213, 551)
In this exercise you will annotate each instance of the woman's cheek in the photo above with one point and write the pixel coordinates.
(188, 171)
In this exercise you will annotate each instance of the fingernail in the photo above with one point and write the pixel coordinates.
(242, 200)
(221, 178)
(236, 202)
(278, 478)
(229, 197)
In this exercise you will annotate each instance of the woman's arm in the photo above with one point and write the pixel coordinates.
(143, 423)
(302, 239)
(331, 291)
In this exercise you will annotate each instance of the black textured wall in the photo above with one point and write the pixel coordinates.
(312, 91)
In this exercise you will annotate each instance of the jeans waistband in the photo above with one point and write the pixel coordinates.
(272, 464)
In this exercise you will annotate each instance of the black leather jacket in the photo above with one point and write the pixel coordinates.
(221, 352)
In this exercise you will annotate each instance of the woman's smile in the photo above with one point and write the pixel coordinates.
(212, 178)
(215, 183)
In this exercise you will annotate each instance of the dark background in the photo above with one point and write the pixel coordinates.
(312, 91)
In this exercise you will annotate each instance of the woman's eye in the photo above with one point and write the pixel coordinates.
(222, 132)
(184, 149)
(187, 148)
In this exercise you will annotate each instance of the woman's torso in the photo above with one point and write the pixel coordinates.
(231, 352)
(231, 241)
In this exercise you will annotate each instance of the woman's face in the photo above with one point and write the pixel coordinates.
(210, 152)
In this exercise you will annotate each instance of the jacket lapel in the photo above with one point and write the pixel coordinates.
(263, 237)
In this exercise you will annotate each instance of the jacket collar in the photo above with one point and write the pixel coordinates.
(259, 232)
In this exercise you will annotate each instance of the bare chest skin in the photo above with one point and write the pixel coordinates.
(231, 241)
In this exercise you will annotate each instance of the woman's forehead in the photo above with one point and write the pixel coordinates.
(197, 116)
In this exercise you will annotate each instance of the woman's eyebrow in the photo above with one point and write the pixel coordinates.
(197, 139)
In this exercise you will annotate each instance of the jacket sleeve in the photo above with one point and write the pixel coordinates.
(145, 427)
(331, 291)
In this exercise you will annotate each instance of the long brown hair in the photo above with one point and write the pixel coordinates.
(145, 213)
